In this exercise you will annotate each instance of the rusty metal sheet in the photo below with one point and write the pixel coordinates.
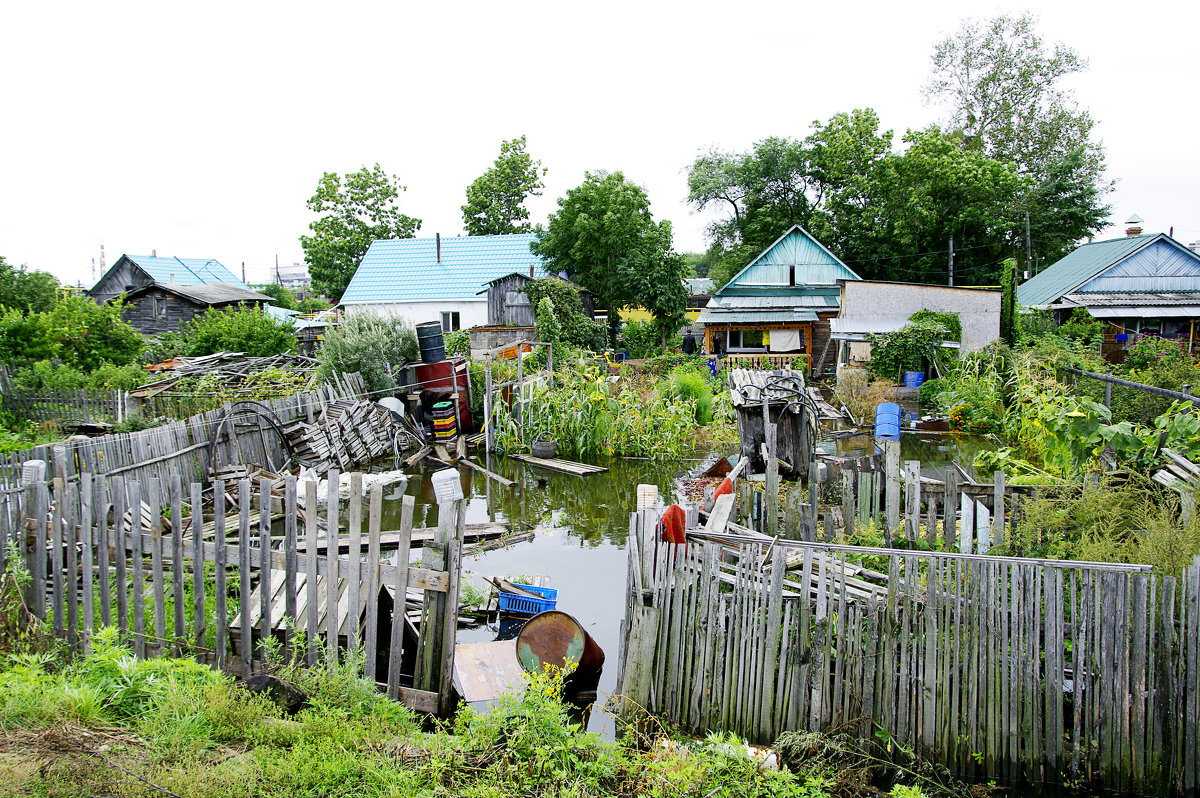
(484, 671)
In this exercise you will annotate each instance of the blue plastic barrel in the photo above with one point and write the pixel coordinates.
(887, 421)
(913, 379)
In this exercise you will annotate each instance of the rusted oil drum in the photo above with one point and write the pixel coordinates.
(553, 638)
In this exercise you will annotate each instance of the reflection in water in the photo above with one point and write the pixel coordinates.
(580, 526)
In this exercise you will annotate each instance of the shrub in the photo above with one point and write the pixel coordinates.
(686, 384)
(862, 395)
(950, 321)
(1081, 326)
(576, 328)
(282, 297)
(458, 343)
(371, 345)
(909, 349)
(76, 331)
(312, 305)
(640, 339)
(239, 329)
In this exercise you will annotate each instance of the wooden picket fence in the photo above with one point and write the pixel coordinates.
(1005, 669)
(185, 447)
(48, 406)
(143, 557)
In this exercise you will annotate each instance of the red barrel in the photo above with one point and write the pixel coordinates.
(553, 638)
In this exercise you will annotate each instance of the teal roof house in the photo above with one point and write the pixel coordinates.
(437, 279)
(1140, 284)
(132, 272)
(779, 305)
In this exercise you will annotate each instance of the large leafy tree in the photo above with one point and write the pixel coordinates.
(496, 200)
(1003, 86)
(26, 291)
(353, 213)
(604, 237)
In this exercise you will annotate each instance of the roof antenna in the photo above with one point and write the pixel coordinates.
(438, 236)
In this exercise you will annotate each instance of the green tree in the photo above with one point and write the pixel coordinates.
(237, 329)
(283, 297)
(75, 331)
(605, 238)
(1002, 84)
(26, 291)
(352, 215)
(496, 200)
(1008, 303)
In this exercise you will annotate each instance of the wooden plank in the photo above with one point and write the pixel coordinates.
(310, 572)
(354, 527)
(154, 499)
(563, 466)
(374, 519)
(264, 568)
(137, 577)
(57, 529)
(245, 628)
(290, 511)
(998, 509)
(70, 532)
(199, 611)
(102, 543)
(220, 618)
(718, 519)
(508, 483)
(891, 450)
(175, 497)
(88, 513)
(332, 575)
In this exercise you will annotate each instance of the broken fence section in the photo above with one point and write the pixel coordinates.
(997, 668)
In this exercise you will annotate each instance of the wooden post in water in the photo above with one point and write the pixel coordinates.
(487, 408)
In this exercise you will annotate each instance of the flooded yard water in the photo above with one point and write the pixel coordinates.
(580, 525)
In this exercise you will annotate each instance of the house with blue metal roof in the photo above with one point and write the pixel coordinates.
(1140, 285)
(132, 272)
(779, 305)
(437, 279)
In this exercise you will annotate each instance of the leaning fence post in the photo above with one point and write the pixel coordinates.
(891, 450)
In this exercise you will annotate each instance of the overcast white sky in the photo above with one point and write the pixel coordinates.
(200, 129)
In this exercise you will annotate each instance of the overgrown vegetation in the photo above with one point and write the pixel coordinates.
(573, 325)
(237, 329)
(373, 345)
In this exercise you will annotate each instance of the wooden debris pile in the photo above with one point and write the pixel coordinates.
(228, 369)
(349, 433)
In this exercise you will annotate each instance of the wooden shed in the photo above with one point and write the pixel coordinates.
(158, 308)
(509, 306)
(788, 410)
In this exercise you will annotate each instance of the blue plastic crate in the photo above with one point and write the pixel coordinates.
(527, 605)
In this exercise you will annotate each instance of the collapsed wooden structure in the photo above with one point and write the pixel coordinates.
(1005, 669)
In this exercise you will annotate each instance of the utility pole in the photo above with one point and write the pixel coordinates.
(951, 260)
(1028, 247)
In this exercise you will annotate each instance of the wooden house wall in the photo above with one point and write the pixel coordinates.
(503, 314)
(139, 312)
(119, 279)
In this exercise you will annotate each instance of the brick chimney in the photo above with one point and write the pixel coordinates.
(531, 271)
(1135, 226)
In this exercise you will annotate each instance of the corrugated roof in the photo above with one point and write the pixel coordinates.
(407, 269)
(761, 301)
(794, 254)
(1081, 265)
(186, 271)
(214, 294)
(867, 324)
(711, 316)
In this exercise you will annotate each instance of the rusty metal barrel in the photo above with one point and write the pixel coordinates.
(554, 638)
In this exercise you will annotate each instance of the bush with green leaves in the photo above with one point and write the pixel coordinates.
(685, 383)
(643, 339)
(909, 349)
(26, 291)
(370, 344)
(1081, 326)
(950, 321)
(576, 328)
(281, 297)
(458, 343)
(312, 305)
(75, 331)
(237, 329)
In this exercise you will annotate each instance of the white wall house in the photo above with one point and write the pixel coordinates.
(436, 279)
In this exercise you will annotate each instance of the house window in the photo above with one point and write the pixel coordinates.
(746, 341)
(449, 320)
(160, 307)
(516, 298)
